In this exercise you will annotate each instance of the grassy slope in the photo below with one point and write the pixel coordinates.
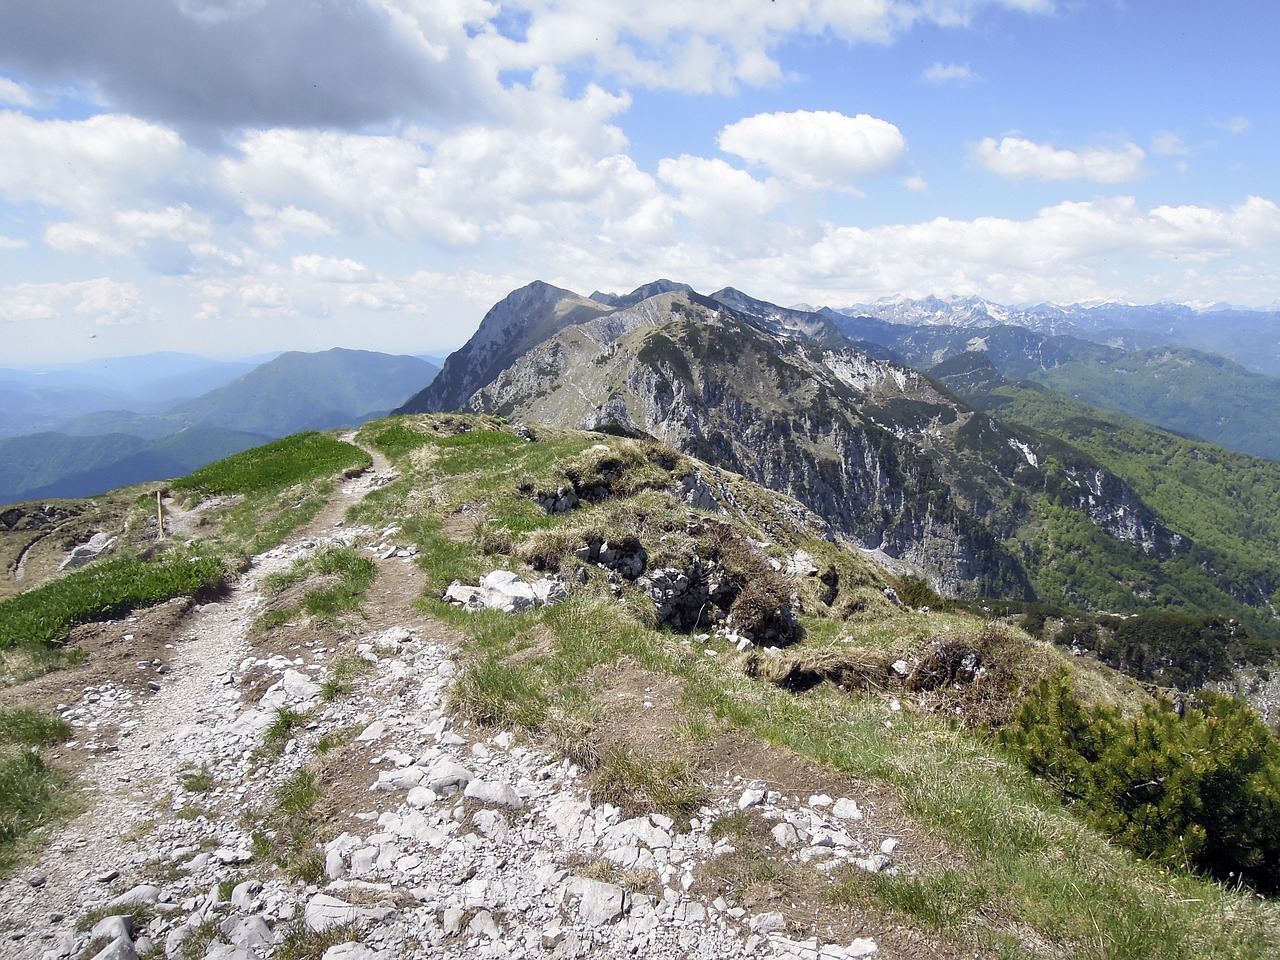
(1028, 879)
(275, 489)
(1181, 390)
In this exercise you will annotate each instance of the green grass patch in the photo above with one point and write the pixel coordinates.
(292, 825)
(274, 466)
(197, 781)
(104, 591)
(343, 673)
(280, 730)
(32, 793)
(640, 783)
(344, 576)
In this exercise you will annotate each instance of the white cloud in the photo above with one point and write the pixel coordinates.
(102, 300)
(1169, 144)
(817, 149)
(330, 269)
(949, 73)
(1018, 159)
(721, 202)
(12, 243)
(1061, 253)
(705, 47)
(1237, 125)
(85, 166)
(15, 94)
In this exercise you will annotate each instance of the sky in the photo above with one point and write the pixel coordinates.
(233, 177)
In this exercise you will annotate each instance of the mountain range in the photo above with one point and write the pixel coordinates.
(96, 450)
(896, 460)
(1250, 337)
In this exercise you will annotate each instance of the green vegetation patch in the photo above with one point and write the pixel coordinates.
(342, 577)
(274, 466)
(1199, 791)
(30, 790)
(104, 591)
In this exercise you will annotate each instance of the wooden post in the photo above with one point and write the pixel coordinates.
(159, 518)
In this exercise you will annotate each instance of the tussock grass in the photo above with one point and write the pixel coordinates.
(274, 466)
(280, 730)
(302, 943)
(31, 791)
(286, 831)
(639, 783)
(342, 676)
(106, 590)
(197, 781)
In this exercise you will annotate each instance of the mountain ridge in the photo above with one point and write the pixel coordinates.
(892, 459)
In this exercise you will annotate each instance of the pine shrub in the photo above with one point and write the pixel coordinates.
(1199, 791)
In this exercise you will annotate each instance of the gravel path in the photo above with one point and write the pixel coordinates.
(438, 841)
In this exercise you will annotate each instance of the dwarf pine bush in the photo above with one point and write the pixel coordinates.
(1200, 791)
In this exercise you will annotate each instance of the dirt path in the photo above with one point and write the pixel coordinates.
(437, 840)
(133, 743)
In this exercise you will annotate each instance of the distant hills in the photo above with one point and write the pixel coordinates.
(97, 450)
(39, 400)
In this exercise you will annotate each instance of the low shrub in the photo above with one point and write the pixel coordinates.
(1199, 791)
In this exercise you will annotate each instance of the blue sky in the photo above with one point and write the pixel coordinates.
(229, 177)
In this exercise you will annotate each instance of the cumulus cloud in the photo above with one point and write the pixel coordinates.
(1019, 159)
(1169, 144)
(706, 47)
(101, 300)
(1237, 125)
(1057, 252)
(83, 166)
(949, 73)
(12, 243)
(817, 148)
(268, 62)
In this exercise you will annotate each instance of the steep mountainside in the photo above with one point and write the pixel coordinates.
(522, 320)
(1226, 503)
(894, 462)
(1183, 390)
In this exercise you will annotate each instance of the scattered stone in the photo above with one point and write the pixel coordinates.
(121, 949)
(768, 922)
(118, 927)
(142, 894)
(323, 912)
(846, 809)
(499, 794)
(600, 902)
